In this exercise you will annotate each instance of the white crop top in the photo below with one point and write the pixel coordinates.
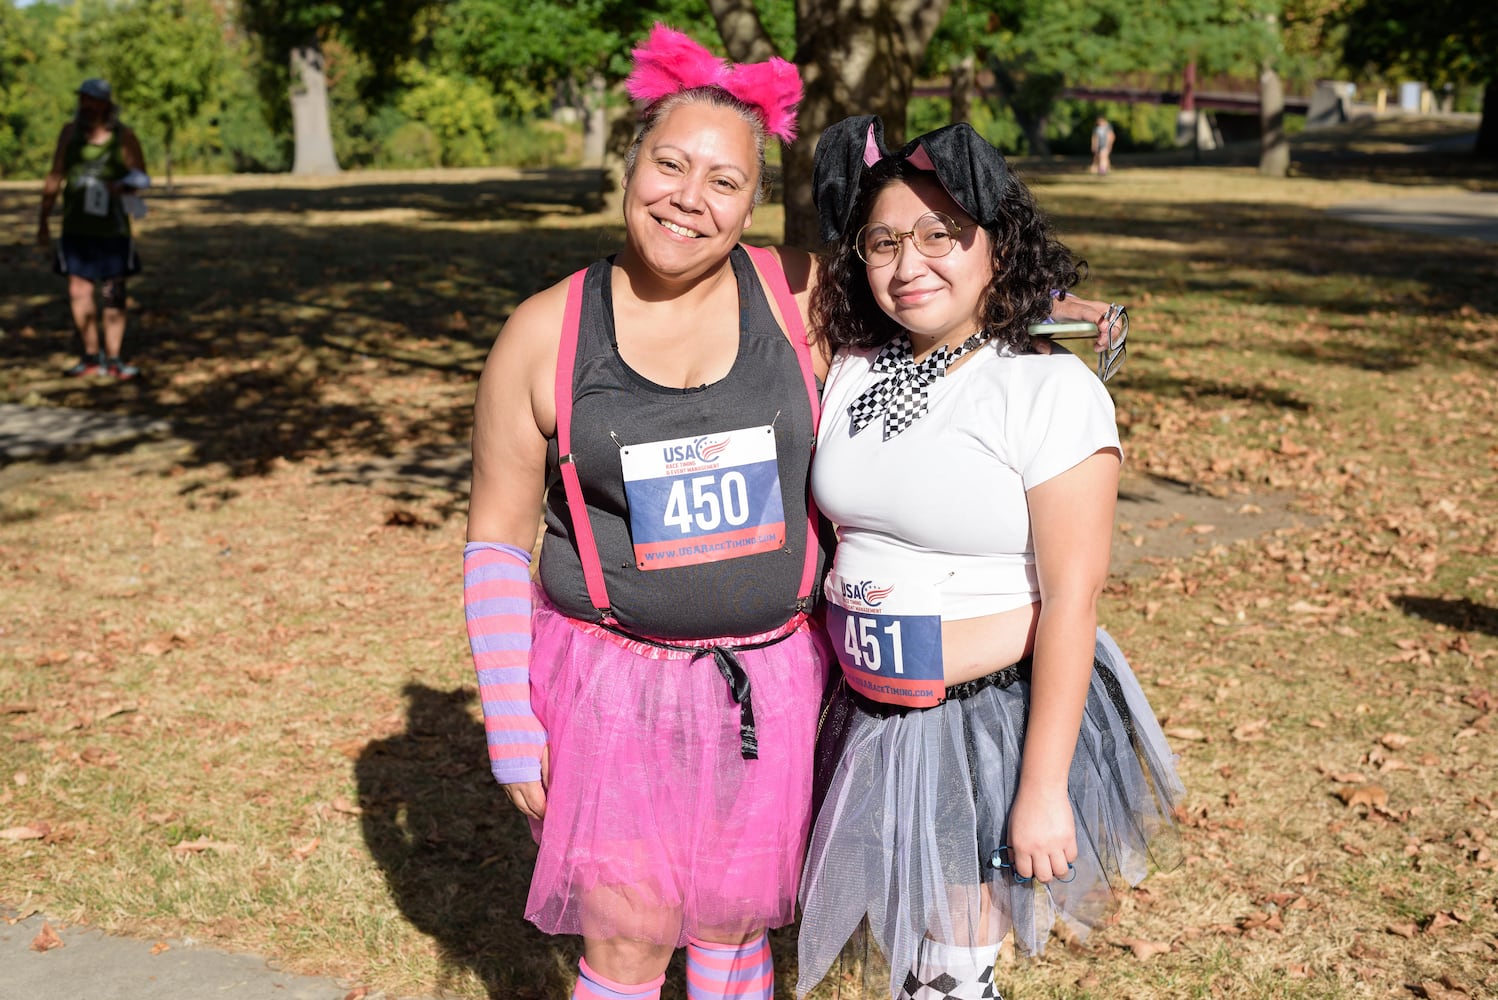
(943, 503)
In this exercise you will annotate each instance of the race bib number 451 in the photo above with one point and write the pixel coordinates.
(701, 499)
(889, 648)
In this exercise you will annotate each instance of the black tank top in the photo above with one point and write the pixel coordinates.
(614, 406)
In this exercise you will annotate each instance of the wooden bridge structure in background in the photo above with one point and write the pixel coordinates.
(1204, 100)
(1189, 98)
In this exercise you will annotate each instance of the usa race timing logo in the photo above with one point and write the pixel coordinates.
(704, 449)
(866, 593)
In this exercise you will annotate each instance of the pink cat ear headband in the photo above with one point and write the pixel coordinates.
(669, 62)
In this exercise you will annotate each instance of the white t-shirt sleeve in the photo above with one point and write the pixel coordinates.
(1058, 415)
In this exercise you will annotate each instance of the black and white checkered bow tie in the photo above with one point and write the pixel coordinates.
(902, 396)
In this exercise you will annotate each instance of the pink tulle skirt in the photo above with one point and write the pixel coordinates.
(656, 827)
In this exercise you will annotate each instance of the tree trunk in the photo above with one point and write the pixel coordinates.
(854, 59)
(964, 83)
(1487, 132)
(311, 127)
(1274, 148)
(595, 121)
(1032, 123)
(170, 137)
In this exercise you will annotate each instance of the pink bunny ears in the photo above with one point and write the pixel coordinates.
(669, 61)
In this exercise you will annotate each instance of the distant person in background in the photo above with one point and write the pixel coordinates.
(1102, 146)
(98, 168)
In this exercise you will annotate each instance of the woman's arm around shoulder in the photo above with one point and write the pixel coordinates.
(801, 270)
(514, 416)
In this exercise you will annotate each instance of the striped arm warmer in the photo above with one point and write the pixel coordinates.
(497, 604)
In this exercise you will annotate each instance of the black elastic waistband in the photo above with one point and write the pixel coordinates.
(733, 673)
(1001, 678)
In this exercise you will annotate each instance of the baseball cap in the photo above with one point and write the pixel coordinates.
(96, 88)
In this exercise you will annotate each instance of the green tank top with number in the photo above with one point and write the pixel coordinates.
(88, 207)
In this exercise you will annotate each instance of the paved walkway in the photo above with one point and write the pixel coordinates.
(89, 965)
(56, 431)
(1473, 215)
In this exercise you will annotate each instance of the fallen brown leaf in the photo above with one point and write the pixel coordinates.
(1443, 918)
(1372, 796)
(36, 832)
(1144, 949)
(159, 947)
(1402, 930)
(46, 939)
(203, 844)
(1250, 731)
(1262, 920)
(343, 805)
(1186, 733)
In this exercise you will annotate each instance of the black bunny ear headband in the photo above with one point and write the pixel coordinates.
(971, 170)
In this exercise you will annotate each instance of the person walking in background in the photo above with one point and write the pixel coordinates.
(987, 762)
(98, 168)
(1102, 146)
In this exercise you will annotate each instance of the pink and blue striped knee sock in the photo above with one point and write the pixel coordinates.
(737, 971)
(592, 986)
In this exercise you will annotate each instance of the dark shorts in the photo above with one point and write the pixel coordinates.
(97, 258)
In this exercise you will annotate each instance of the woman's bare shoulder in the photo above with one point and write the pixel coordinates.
(537, 322)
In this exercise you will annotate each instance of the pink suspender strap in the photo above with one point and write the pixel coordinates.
(582, 526)
(790, 312)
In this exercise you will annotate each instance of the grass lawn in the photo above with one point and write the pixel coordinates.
(235, 699)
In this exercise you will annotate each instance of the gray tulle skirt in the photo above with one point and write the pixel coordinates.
(912, 806)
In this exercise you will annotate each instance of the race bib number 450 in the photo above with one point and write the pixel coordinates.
(701, 499)
(888, 644)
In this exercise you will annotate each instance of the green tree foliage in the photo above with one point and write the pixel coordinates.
(1440, 41)
(460, 112)
(530, 52)
(166, 59)
(1035, 48)
(294, 33)
(384, 30)
(38, 75)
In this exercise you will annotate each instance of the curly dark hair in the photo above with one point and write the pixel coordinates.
(1028, 264)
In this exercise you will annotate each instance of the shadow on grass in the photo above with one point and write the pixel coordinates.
(456, 856)
(1465, 615)
(525, 197)
(264, 337)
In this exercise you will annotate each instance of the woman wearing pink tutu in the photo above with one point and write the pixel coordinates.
(651, 703)
(988, 763)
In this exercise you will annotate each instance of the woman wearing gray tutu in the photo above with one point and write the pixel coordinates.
(988, 762)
